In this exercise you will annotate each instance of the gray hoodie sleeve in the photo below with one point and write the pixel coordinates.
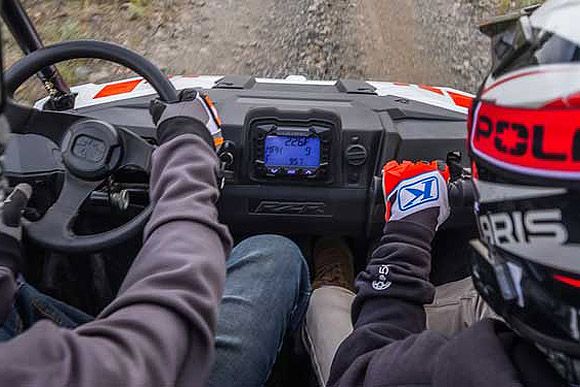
(7, 292)
(159, 331)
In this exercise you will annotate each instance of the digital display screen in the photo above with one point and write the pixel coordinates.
(292, 151)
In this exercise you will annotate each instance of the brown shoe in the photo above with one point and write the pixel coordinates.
(332, 260)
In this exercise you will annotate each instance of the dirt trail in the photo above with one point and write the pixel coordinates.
(420, 41)
(425, 41)
(388, 35)
(213, 37)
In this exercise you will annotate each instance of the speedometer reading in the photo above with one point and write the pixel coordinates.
(292, 151)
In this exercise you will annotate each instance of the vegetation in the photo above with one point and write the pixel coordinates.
(137, 8)
(506, 5)
(71, 20)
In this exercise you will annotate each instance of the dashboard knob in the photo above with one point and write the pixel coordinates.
(226, 153)
(355, 155)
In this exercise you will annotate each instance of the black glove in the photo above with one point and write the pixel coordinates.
(194, 113)
(10, 228)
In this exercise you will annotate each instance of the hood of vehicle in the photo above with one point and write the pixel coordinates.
(91, 94)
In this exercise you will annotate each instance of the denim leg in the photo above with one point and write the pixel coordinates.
(30, 306)
(266, 293)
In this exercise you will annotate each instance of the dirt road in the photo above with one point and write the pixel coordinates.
(389, 36)
(422, 41)
(425, 41)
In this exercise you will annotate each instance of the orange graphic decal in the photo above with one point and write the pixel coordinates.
(118, 88)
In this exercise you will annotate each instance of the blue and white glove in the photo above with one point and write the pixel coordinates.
(412, 187)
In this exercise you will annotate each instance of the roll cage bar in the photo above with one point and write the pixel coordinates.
(28, 39)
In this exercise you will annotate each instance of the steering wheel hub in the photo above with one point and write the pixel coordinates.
(91, 149)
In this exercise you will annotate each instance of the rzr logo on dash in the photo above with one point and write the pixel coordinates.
(544, 142)
(417, 193)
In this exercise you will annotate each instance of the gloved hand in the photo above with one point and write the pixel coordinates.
(194, 113)
(10, 227)
(410, 188)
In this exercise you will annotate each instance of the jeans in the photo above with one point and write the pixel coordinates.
(266, 295)
(31, 306)
(267, 291)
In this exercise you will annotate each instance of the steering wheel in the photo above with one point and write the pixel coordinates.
(91, 149)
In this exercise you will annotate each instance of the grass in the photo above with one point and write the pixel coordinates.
(71, 23)
(65, 30)
(137, 8)
(506, 5)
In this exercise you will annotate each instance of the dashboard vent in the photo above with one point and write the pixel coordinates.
(355, 155)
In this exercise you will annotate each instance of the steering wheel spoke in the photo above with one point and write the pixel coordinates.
(55, 227)
(49, 124)
(137, 151)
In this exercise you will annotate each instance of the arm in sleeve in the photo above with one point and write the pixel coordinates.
(7, 292)
(159, 331)
(391, 293)
(9, 255)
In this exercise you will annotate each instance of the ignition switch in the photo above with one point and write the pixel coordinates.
(117, 200)
(120, 200)
(226, 154)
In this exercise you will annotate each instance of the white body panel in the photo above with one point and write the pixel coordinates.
(416, 93)
(86, 93)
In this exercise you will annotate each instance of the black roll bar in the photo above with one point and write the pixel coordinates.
(27, 37)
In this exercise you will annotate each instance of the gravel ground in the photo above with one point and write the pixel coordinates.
(420, 41)
(454, 41)
(312, 38)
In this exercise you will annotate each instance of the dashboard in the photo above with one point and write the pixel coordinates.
(299, 158)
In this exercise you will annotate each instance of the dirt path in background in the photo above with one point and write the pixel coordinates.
(213, 37)
(425, 41)
(388, 33)
(419, 41)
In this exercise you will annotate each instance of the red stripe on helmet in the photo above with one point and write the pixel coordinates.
(571, 101)
(540, 142)
(511, 78)
(542, 70)
(567, 280)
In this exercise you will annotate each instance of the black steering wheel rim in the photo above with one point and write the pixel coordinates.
(55, 231)
(88, 49)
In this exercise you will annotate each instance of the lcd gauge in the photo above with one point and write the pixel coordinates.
(292, 151)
